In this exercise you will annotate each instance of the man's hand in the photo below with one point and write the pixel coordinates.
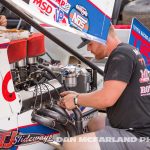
(65, 93)
(3, 20)
(68, 100)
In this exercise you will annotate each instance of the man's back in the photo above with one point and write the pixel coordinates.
(132, 109)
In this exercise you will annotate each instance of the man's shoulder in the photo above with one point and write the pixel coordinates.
(127, 50)
(124, 48)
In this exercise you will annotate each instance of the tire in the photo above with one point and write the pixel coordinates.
(139, 9)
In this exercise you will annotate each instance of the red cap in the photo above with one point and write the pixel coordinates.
(35, 45)
(17, 50)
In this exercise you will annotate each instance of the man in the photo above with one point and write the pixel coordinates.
(3, 20)
(125, 95)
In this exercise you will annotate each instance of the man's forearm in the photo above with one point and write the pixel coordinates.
(95, 99)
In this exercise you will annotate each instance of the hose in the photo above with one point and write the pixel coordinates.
(48, 70)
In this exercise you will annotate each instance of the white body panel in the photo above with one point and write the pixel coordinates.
(9, 101)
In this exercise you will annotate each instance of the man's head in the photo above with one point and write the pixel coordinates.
(103, 50)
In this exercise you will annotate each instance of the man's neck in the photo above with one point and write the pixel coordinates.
(114, 44)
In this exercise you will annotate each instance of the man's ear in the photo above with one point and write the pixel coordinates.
(108, 39)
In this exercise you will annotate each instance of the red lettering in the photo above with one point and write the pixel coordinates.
(3, 137)
(49, 9)
(44, 6)
(11, 141)
(8, 96)
(58, 1)
(62, 3)
(38, 2)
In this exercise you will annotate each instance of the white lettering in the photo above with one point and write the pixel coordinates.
(79, 21)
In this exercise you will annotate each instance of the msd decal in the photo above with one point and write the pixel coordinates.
(43, 6)
(48, 6)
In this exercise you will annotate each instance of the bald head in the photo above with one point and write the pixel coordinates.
(112, 40)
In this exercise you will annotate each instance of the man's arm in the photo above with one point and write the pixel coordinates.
(106, 97)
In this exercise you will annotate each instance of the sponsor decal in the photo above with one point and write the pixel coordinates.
(59, 15)
(144, 76)
(43, 6)
(145, 90)
(140, 38)
(7, 139)
(82, 10)
(78, 18)
(55, 9)
(62, 4)
(12, 138)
